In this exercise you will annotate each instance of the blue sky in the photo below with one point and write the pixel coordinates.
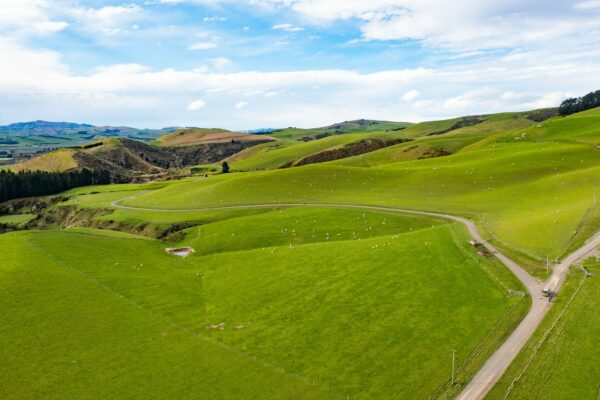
(245, 64)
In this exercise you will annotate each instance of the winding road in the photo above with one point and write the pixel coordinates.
(497, 364)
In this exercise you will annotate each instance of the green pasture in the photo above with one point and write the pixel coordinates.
(561, 361)
(100, 314)
(16, 219)
(341, 128)
(533, 198)
(450, 142)
(296, 226)
(279, 154)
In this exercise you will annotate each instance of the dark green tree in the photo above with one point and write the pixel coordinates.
(575, 105)
(225, 167)
(41, 183)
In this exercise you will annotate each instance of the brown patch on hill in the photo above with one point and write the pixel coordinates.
(463, 123)
(434, 152)
(129, 160)
(542, 114)
(194, 136)
(348, 150)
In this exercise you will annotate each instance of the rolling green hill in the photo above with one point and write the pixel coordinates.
(296, 310)
(317, 301)
(561, 361)
(514, 184)
(441, 138)
(128, 160)
(360, 125)
(292, 153)
(196, 136)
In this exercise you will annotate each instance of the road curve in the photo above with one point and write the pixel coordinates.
(497, 364)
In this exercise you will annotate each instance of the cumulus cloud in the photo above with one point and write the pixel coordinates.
(109, 20)
(454, 24)
(411, 95)
(196, 105)
(29, 16)
(557, 55)
(140, 95)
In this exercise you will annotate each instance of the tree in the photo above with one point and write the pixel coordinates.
(40, 183)
(575, 105)
(225, 167)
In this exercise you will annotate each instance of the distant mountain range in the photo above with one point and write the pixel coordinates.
(46, 134)
(40, 128)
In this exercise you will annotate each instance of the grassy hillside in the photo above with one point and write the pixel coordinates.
(15, 219)
(310, 302)
(128, 160)
(56, 161)
(361, 125)
(562, 360)
(101, 329)
(442, 138)
(533, 195)
(287, 153)
(195, 136)
(304, 317)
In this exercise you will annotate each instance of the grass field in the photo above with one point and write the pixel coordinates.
(315, 301)
(340, 128)
(285, 153)
(562, 359)
(327, 311)
(55, 161)
(16, 219)
(424, 145)
(532, 195)
(196, 136)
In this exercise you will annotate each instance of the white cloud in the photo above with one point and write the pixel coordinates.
(29, 16)
(109, 20)
(411, 95)
(287, 28)
(203, 46)
(36, 84)
(196, 105)
(468, 99)
(463, 25)
(49, 26)
(588, 5)
(241, 104)
(214, 18)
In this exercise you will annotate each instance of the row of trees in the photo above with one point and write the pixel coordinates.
(39, 183)
(575, 105)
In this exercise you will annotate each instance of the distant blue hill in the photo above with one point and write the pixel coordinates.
(44, 125)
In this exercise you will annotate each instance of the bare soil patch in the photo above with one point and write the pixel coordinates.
(180, 251)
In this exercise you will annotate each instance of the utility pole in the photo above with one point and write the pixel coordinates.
(453, 357)
(547, 266)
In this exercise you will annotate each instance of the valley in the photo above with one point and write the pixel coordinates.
(356, 276)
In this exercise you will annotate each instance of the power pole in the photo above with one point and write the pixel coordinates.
(547, 266)
(453, 357)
